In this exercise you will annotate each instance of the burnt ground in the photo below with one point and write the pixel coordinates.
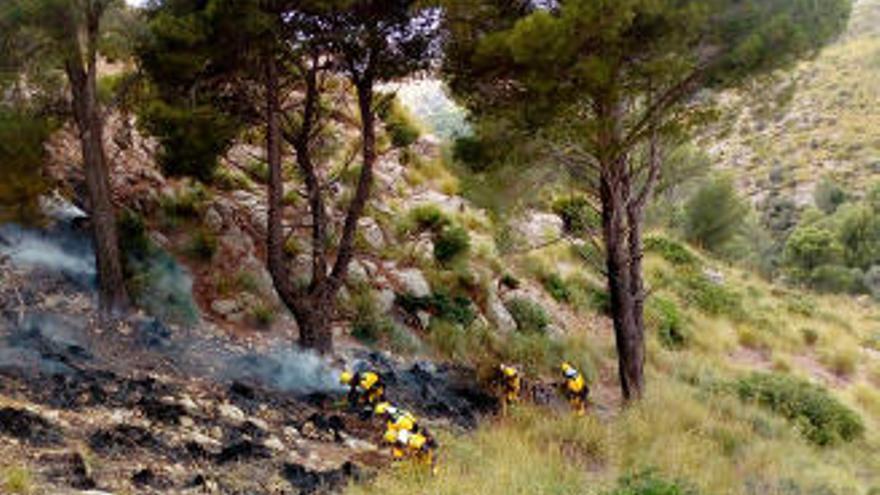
(134, 406)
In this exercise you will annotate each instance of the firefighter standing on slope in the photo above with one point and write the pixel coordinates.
(575, 388)
(406, 437)
(366, 389)
(510, 384)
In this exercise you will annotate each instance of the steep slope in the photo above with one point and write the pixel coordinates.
(821, 119)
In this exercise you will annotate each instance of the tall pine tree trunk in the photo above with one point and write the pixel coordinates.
(621, 231)
(83, 82)
(312, 307)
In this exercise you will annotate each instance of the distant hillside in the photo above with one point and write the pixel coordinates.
(823, 119)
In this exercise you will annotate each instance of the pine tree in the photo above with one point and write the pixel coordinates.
(606, 82)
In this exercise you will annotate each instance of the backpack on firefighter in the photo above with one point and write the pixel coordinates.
(366, 389)
(575, 388)
(509, 385)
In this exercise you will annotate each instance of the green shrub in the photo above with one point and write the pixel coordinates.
(810, 246)
(186, 204)
(230, 179)
(399, 123)
(810, 336)
(451, 244)
(828, 196)
(154, 279)
(671, 251)
(191, 137)
(427, 217)
(556, 287)
(714, 215)
(202, 245)
(263, 315)
(710, 297)
(648, 482)
(837, 279)
(471, 152)
(453, 309)
(368, 326)
(872, 281)
(21, 165)
(529, 315)
(668, 322)
(859, 234)
(259, 171)
(509, 281)
(821, 419)
(578, 216)
(17, 480)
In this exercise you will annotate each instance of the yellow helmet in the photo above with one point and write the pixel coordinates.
(346, 377)
(568, 370)
(382, 408)
(510, 371)
(566, 366)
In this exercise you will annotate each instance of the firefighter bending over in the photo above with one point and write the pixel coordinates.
(575, 388)
(366, 389)
(406, 437)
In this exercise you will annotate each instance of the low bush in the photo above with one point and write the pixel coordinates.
(186, 204)
(578, 216)
(425, 218)
(529, 315)
(450, 244)
(710, 297)
(648, 482)
(556, 287)
(368, 326)
(810, 336)
(671, 251)
(17, 480)
(666, 319)
(399, 123)
(202, 245)
(154, 279)
(836, 279)
(510, 281)
(452, 309)
(21, 166)
(821, 418)
(263, 315)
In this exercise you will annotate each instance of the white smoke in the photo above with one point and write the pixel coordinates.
(288, 368)
(30, 249)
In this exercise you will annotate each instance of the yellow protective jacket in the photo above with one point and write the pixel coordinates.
(576, 385)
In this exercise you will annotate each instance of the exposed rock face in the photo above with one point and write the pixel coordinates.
(412, 282)
(497, 312)
(372, 233)
(537, 228)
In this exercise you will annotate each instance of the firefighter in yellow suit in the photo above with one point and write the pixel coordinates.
(366, 389)
(510, 386)
(406, 437)
(575, 388)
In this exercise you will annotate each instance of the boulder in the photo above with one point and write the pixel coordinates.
(372, 233)
(537, 228)
(497, 312)
(384, 300)
(412, 282)
(357, 273)
(225, 307)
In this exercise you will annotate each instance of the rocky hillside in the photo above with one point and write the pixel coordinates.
(822, 119)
